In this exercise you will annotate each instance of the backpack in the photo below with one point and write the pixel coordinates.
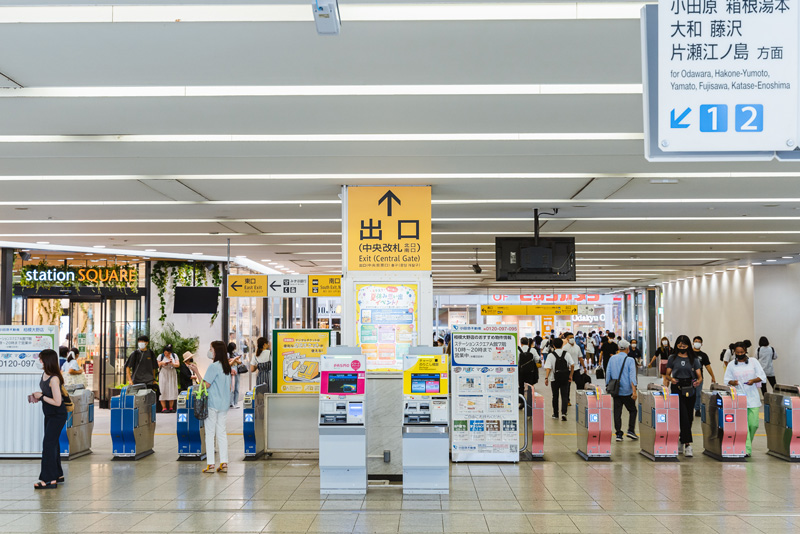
(528, 370)
(561, 368)
(201, 402)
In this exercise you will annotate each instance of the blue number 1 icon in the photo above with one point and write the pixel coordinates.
(714, 118)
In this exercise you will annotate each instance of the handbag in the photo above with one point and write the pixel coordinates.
(600, 374)
(66, 400)
(241, 368)
(201, 402)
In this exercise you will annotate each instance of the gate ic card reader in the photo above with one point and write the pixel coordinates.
(342, 428)
(426, 422)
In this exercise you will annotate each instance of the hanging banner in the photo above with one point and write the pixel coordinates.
(386, 324)
(389, 228)
(485, 418)
(296, 359)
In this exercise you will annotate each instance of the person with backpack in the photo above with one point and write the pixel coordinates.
(591, 348)
(142, 365)
(683, 376)
(561, 365)
(621, 385)
(528, 370)
(55, 408)
(537, 342)
(765, 355)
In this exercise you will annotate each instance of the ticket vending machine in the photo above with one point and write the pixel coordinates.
(253, 422)
(659, 423)
(342, 428)
(76, 437)
(426, 422)
(190, 430)
(782, 422)
(536, 407)
(723, 416)
(594, 412)
(133, 422)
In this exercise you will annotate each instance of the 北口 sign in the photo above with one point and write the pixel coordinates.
(389, 228)
(727, 75)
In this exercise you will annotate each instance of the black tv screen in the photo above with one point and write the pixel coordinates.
(519, 259)
(196, 299)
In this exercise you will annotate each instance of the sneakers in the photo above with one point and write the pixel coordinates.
(697, 413)
(555, 416)
(563, 417)
(687, 451)
(619, 437)
(632, 435)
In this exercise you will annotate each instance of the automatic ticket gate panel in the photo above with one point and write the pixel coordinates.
(659, 423)
(76, 437)
(191, 431)
(723, 416)
(426, 422)
(342, 428)
(782, 422)
(133, 422)
(253, 422)
(536, 411)
(594, 413)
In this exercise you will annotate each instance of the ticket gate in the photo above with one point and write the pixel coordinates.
(659, 423)
(594, 413)
(76, 437)
(782, 422)
(723, 415)
(191, 431)
(253, 422)
(535, 405)
(133, 422)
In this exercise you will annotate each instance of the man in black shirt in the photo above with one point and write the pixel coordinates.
(705, 363)
(537, 342)
(142, 365)
(608, 349)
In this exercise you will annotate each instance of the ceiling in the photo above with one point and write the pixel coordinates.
(177, 136)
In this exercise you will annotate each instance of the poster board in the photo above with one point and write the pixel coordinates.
(425, 375)
(484, 414)
(296, 360)
(19, 376)
(386, 323)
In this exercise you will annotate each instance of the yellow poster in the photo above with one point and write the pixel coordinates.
(386, 324)
(427, 376)
(389, 228)
(296, 359)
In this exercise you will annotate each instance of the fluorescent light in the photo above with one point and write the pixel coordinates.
(43, 242)
(322, 138)
(150, 250)
(787, 257)
(756, 263)
(770, 261)
(99, 246)
(196, 253)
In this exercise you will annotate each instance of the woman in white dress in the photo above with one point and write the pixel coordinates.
(168, 364)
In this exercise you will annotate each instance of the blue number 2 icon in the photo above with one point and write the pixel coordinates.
(750, 118)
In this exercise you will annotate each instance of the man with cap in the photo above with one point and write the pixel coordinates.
(622, 367)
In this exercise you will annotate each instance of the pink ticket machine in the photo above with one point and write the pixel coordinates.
(342, 429)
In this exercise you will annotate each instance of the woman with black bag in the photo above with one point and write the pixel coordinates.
(54, 406)
(683, 375)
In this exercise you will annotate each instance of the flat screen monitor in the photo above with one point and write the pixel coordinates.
(342, 383)
(196, 299)
(522, 259)
(424, 383)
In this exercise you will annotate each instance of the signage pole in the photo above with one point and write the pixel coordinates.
(6, 284)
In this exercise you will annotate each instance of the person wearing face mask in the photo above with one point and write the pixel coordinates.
(142, 365)
(683, 376)
(745, 374)
(661, 357)
(574, 350)
(705, 363)
(635, 353)
(765, 355)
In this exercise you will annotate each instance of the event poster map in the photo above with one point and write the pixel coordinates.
(296, 359)
(484, 392)
(386, 323)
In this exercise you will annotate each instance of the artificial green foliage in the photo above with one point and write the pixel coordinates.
(169, 335)
(183, 274)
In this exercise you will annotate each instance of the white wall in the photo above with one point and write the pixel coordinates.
(777, 316)
(718, 308)
(189, 325)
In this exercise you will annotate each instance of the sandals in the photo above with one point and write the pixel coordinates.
(223, 468)
(60, 480)
(45, 485)
(209, 469)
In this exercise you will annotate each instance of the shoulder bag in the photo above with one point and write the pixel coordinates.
(613, 384)
(201, 402)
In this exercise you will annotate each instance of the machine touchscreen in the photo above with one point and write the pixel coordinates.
(342, 383)
(424, 383)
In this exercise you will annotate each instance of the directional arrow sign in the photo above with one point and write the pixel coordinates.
(247, 285)
(388, 197)
(288, 286)
(275, 286)
(678, 122)
(236, 285)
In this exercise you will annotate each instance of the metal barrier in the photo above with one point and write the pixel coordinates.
(782, 422)
(76, 437)
(723, 416)
(594, 412)
(534, 406)
(659, 423)
(253, 422)
(133, 422)
(190, 430)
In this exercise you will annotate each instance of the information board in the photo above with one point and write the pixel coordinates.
(386, 324)
(727, 75)
(296, 359)
(485, 418)
(20, 347)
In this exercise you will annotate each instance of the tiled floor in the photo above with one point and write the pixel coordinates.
(563, 494)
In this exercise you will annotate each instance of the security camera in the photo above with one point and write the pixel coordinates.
(25, 256)
(477, 269)
(326, 16)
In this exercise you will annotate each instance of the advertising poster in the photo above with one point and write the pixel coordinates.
(484, 393)
(20, 347)
(386, 324)
(296, 359)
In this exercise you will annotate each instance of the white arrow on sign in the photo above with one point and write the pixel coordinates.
(287, 286)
